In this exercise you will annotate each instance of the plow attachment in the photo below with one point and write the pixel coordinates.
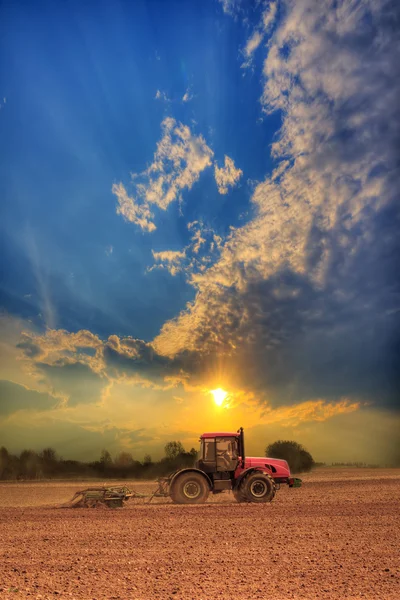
(113, 497)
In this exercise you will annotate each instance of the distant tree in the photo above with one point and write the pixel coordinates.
(29, 465)
(147, 460)
(105, 464)
(173, 450)
(49, 462)
(4, 463)
(299, 459)
(48, 455)
(105, 458)
(193, 452)
(123, 460)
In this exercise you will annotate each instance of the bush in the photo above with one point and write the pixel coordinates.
(300, 461)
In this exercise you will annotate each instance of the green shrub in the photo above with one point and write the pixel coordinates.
(299, 459)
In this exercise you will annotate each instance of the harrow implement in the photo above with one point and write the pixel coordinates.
(111, 497)
(114, 497)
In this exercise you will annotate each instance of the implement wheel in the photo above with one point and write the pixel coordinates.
(190, 488)
(258, 487)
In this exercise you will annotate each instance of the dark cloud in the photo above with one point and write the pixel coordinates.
(75, 380)
(29, 348)
(14, 397)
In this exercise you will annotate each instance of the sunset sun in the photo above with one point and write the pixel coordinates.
(219, 396)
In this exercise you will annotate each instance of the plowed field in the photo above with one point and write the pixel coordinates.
(336, 538)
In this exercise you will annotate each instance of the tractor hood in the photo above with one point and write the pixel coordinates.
(279, 468)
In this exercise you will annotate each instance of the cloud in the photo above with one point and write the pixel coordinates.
(267, 20)
(269, 16)
(140, 214)
(227, 176)
(302, 302)
(55, 344)
(15, 397)
(177, 164)
(188, 96)
(309, 411)
(77, 383)
(252, 43)
(200, 252)
(230, 7)
(161, 96)
(77, 367)
(170, 259)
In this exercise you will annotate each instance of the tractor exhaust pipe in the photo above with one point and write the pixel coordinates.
(241, 445)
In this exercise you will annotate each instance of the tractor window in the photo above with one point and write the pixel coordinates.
(227, 456)
(209, 450)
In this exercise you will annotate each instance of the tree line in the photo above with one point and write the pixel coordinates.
(47, 464)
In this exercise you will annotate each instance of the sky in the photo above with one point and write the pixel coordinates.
(200, 196)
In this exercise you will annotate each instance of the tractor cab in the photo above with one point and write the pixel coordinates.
(220, 452)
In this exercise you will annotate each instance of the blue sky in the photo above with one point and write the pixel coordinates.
(199, 195)
(80, 114)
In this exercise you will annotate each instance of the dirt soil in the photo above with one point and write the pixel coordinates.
(336, 538)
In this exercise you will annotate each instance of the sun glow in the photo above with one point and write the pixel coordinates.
(219, 396)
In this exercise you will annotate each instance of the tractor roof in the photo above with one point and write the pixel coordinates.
(219, 434)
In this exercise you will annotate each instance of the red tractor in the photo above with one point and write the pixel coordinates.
(222, 465)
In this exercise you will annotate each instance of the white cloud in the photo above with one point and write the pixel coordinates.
(269, 16)
(230, 7)
(254, 41)
(187, 96)
(161, 96)
(177, 164)
(200, 252)
(139, 214)
(227, 176)
(315, 239)
(170, 260)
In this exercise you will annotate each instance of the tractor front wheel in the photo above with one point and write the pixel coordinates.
(258, 487)
(190, 488)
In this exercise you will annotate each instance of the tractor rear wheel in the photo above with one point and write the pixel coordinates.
(258, 487)
(239, 495)
(190, 488)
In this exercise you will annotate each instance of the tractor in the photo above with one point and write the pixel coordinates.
(222, 465)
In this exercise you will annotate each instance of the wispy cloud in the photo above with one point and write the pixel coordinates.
(201, 251)
(230, 7)
(177, 164)
(227, 176)
(138, 213)
(161, 96)
(169, 259)
(267, 20)
(187, 96)
(252, 43)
